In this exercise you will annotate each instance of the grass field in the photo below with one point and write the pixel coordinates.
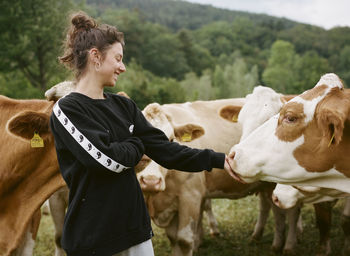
(236, 220)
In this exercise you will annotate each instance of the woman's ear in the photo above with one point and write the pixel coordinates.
(95, 55)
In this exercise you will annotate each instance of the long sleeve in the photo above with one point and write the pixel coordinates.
(90, 142)
(172, 155)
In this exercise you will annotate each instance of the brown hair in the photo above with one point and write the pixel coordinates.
(83, 34)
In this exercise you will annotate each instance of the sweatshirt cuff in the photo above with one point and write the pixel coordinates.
(218, 160)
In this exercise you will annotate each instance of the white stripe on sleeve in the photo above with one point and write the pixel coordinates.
(100, 157)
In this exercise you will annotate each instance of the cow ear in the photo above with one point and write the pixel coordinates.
(26, 123)
(331, 115)
(151, 110)
(286, 98)
(230, 112)
(188, 132)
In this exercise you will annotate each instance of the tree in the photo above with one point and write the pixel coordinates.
(197, 57)
(217, 37)
(309, 67)
(162, 54)
(198, 88)
(344, 63)
(280, 71)
(134, 29)
(31, 35)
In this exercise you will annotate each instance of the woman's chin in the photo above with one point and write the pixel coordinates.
(110, 84)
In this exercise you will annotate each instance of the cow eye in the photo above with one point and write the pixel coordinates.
(171, 140)
(290, 119)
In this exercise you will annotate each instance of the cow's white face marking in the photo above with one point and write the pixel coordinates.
(309, 106)
(153, 170)
(287, 196)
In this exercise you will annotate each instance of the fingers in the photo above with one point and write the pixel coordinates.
(229, 170)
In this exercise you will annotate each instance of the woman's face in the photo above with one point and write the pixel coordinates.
(112, 65)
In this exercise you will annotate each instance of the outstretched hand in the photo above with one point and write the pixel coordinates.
(230, 171)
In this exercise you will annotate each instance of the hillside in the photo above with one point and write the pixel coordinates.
(175, 50)
(177, 14)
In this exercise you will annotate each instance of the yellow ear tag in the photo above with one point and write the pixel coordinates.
(234, 118)
(330, 142)
(186, 137)
(36, 141)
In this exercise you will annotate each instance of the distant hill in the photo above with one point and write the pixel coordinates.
(177, 14)
(172, 37)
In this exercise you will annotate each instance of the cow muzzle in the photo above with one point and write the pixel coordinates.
(151, 183)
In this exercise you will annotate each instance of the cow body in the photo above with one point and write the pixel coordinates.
(175, 199)
(21, 198)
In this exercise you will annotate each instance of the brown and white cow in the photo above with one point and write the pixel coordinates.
(264, 103)
(28, 175)
(306, 143)
(175, 198)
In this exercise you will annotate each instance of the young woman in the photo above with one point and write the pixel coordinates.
(99, 138)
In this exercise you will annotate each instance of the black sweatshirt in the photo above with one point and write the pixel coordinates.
(98, 143)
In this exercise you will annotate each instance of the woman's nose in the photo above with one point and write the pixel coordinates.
(122, 67)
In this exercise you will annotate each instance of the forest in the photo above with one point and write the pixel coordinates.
(175, 51)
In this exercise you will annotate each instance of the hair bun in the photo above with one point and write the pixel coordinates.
(82, 21)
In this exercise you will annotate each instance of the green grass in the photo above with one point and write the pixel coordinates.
(236, 220)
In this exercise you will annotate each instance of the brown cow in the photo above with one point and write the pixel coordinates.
(22, 164)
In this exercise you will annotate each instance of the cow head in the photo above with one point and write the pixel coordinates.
(66, 87)
(152, 178)
(304, 144)
(60, 90)
(287, 196)
(259, 106)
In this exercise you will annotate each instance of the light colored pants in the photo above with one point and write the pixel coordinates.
(142, 249)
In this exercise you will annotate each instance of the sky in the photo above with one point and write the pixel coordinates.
(323, 13)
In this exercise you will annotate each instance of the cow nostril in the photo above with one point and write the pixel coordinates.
(151, 180)
(275, 200)
(232, 155)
